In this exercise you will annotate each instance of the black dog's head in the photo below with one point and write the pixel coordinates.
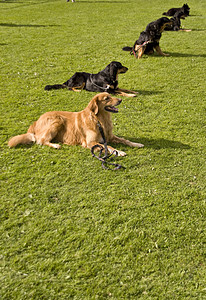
(155, 28)
(144, 37)
(186, 10)
(186, 7)
(115, 68)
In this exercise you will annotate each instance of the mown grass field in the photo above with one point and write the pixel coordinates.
(69, 229)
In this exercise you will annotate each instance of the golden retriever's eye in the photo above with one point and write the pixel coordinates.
(107, 98)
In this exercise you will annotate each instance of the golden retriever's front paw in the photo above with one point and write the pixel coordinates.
(132, 95)
(138, 145)
(121, 153)
(56, 146)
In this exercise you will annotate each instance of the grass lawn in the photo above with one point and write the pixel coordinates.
(68, 228)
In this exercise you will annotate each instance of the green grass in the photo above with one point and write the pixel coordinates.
(69, 229)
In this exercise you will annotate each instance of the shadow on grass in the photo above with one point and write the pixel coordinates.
(195, 16)
(20, 2)
(106, 1)
(196, 29)
(47, 1)
(111, 2)
(159, 143)
(148, 143)
(24, 25)
(175, 54)
(143, 92)
(10, 1)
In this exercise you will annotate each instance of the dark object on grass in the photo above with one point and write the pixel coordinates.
(149, 39)
(104, 159)
(172, 11)
(176, 23)
(104, 81)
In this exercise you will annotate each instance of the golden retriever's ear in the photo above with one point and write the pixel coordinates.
(93, 105)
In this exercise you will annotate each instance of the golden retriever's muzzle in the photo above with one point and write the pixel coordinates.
(112, 108)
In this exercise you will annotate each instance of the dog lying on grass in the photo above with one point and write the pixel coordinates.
(172, 11)
(104, 81)
(176, 23)
(149, 39)
(76, 128)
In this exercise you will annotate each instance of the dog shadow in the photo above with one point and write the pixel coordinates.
(24, 25)
(10, 1)
(23, 2)
(196, 29)
(195, 16)
(175, 54)
(110, 2)
(143, 92)
(159, 143)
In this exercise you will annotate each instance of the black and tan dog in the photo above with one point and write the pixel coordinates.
(172, 11)
(104, 81)
(176, 23)
(149, 39)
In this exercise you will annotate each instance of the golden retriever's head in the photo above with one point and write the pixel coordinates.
(104, 102)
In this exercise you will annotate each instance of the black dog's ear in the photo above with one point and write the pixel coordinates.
(113, 71)
(106, 70)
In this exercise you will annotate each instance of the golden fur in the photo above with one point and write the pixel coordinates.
(76, 128)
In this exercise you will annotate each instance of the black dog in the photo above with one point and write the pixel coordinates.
(185, 9)
(176, 23)
(149, 39)
(104, 81)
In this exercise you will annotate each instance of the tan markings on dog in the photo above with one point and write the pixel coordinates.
(141, 51)
(186, 30)
(163, 26)
(78, 88)
(159, 51)
(76, 128)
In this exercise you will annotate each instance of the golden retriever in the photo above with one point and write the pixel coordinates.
(76, 128)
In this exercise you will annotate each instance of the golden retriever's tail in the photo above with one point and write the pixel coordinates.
(26, 138)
